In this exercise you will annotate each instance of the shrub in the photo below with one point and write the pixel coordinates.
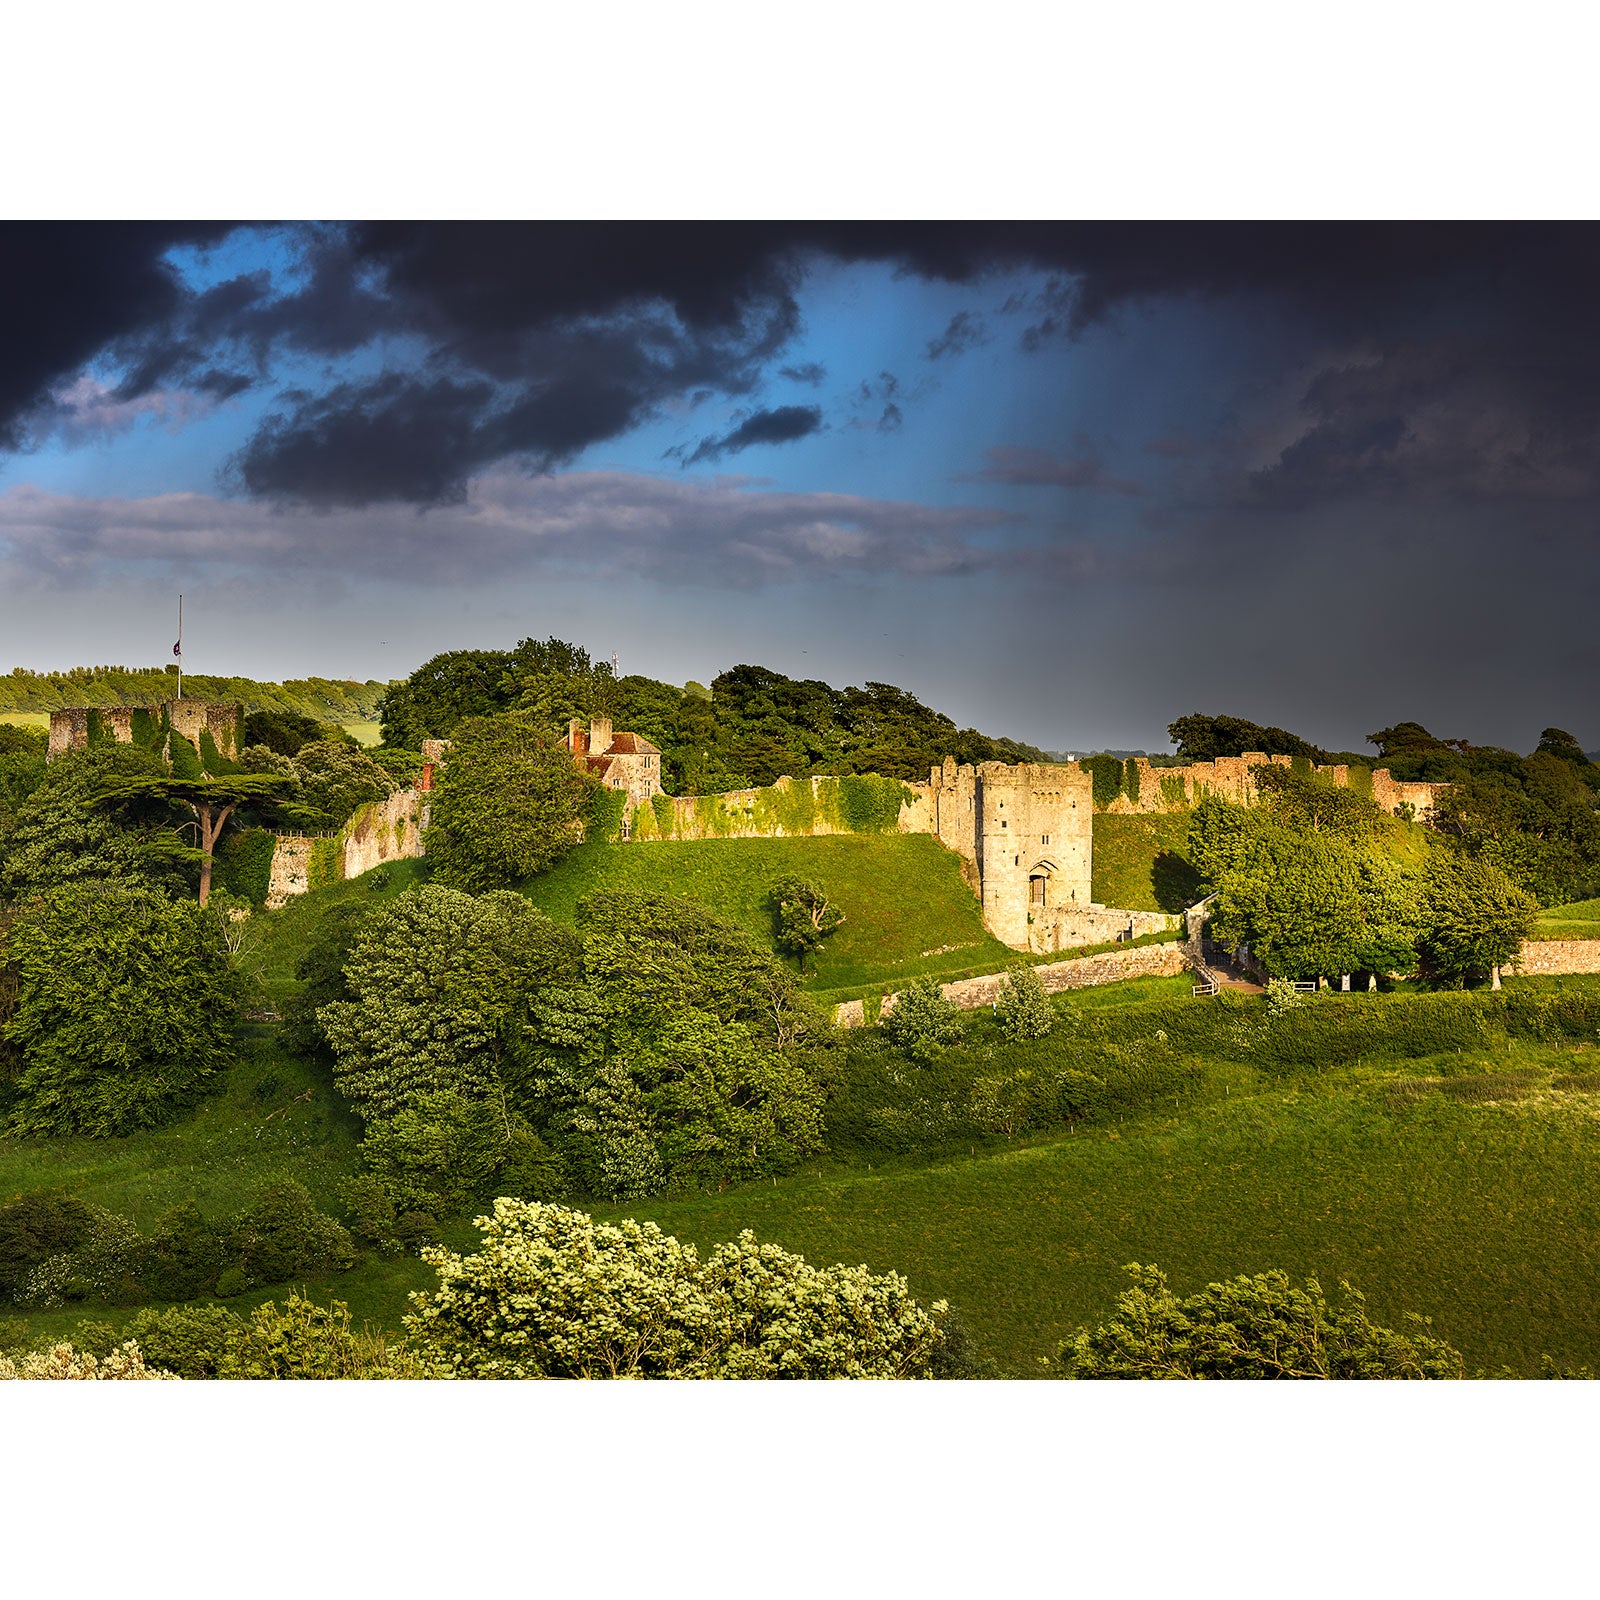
(283, 1236)
(305, 1340)
(923, 1022)
(552, 1293)
(1023, 1010)
(188, 1341)
(62, 1361)
(35, 1226)
(182, 1256)
(1251, 1327)
(101, 1266)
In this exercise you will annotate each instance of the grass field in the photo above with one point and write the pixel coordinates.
(1580, 919)
(1486, 1216)
(907, 910)
(27, 719)
(367, 733)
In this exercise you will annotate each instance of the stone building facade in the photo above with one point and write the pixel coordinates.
(1026, 836)
(626, 761)
(70, 725)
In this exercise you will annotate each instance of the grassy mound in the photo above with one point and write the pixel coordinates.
(1580, 919)
(908, 911)
(1141, 863)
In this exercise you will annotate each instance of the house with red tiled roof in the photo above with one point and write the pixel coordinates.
(626, 761)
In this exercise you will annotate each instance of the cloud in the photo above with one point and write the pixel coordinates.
(965, 332)
(527, 343)
(781, 425)
(87, 410)
(1424, 420)
(1030, 467)
(811, 373)
(592, 524)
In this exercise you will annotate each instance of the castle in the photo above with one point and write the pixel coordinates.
(198, 721)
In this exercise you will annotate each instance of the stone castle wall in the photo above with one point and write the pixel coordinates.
(1228, 778)
(1550, 957)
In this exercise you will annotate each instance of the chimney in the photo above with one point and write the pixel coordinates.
(599, 736)
(575, 737)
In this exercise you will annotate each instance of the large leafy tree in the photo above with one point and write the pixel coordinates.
(550, 1293)
(1202, 738)
(681, 1052)
(433, 977)
(1476, 917)
(123, 1009)
(63, 831)
(210, 803)
(509, 803)
(1251, 1327)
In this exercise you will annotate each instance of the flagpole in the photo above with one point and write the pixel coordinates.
(179, 651)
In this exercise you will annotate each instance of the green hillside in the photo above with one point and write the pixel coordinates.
(1580, 919)
(908, 910)
(1482, 1211)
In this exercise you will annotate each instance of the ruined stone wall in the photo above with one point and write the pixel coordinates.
(385, 830)
(1087, 972)
(1228, 778)
(69, 725)
(1061, 927)
(790, 808)
(291, 870)
(1548, 957)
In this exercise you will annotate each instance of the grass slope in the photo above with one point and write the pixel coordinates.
(1141, 863)
(908, 910)
(1579, 919)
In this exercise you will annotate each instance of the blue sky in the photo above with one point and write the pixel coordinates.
(1324, 481)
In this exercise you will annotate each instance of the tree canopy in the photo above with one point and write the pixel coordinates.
(509, 803)
(550, 1293)
(1251, 1327)
(123, 1009)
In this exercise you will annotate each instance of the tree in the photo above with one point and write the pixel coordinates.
(680, 1052)
(1476, 917)
(804, 915)
(1251, 1327)
(923, 1022)
(509, 803)
(1023, 1010)
(1303, 800)
(124, 1009)
(433, 976)
(1203, 738)
(550, 1293)
(62, 832)
(334, 779)
(210, 801)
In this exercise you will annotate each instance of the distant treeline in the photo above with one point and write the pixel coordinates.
(749, 728)
(326, 699)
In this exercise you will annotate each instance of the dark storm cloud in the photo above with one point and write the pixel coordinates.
(531, 342)
(67, 290)
(782, 425)
(1020, 464)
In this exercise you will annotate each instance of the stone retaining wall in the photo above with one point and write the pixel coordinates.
(1547, 957)
(1115, 966)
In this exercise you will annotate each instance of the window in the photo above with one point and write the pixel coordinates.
(1044, 838)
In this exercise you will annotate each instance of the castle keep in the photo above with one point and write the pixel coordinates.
(77, 727)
